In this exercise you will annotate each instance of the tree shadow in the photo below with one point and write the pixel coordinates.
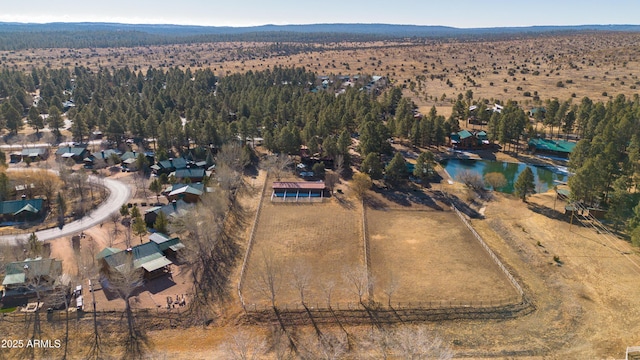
(554, 214)
(462, 206)
(159, 284)
(344, 202)
(406, 196)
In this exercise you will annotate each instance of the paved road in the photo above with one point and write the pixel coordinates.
(119, 194)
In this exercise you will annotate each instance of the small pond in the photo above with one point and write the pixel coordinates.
(545, 176)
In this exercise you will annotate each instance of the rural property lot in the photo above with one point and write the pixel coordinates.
(432, 256)
(325, 237)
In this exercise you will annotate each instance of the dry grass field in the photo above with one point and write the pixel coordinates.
(431, 256)
(324, 237)
(561, 66)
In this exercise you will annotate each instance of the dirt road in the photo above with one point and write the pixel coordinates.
(119, 193)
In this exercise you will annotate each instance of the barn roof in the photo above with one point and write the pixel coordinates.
(553, 145)
(298, 185)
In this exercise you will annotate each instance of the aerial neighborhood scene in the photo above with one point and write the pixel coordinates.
(319, 181)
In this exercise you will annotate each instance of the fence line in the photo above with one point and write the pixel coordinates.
(379, 306)
(251, 239)
(356, 313)
(367, 255)
(492, 255)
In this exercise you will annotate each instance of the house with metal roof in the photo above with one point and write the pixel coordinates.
(190, 193)
(193, 174)
(466, 139)
(169, 166)
(21, 210)
(174, 208)
(34, 154)
(555, 147)
(101, 157)
(23, 278)
(167, 244)
(147, 256)
(77, 153)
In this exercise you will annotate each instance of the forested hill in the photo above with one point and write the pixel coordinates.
(15, 36)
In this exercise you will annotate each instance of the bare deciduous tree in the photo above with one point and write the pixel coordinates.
(277, 165)
(391, 286)
(209, 251)
(327, 346)
(412, 342)
(115, 218)
(267, 279)
(244, 346)
(331, 179)
(339, 165)
(301, 275)
(327, 288)
(358, 279)
(471, 179)
(125, 281)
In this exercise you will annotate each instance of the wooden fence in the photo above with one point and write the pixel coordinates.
(250, 242)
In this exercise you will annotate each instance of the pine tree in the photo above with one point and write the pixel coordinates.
(396, 170)
(524, 185)
(162, 223)
(425, 165)
(35, 120)
(54, 120)
(372, 166)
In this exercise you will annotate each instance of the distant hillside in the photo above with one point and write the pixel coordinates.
(25, 35)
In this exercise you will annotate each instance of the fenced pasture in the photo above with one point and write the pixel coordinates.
(423, 256)
(312, 242)
(419, 264)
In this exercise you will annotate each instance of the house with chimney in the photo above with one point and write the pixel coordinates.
(25, 278)
(169, 166)
(173, 209)
(101, 157)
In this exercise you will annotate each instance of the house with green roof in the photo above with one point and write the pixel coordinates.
(466, 139)
(147, 257)
(554, 147)
(189, 193)
(193, 174)
(34, 154)
(167, 244)
(168, 166)
(101, 157)
(174, 208)
(21, 210)
(76, 153)
(24, 278)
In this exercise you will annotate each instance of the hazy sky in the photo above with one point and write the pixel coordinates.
(457, 13)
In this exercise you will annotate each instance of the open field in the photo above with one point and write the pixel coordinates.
(431, 256)
(324, 237)
(585, 64)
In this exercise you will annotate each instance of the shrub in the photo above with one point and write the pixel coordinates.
(559, 84)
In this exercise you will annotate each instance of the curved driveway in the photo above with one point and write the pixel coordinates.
(118, 194)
